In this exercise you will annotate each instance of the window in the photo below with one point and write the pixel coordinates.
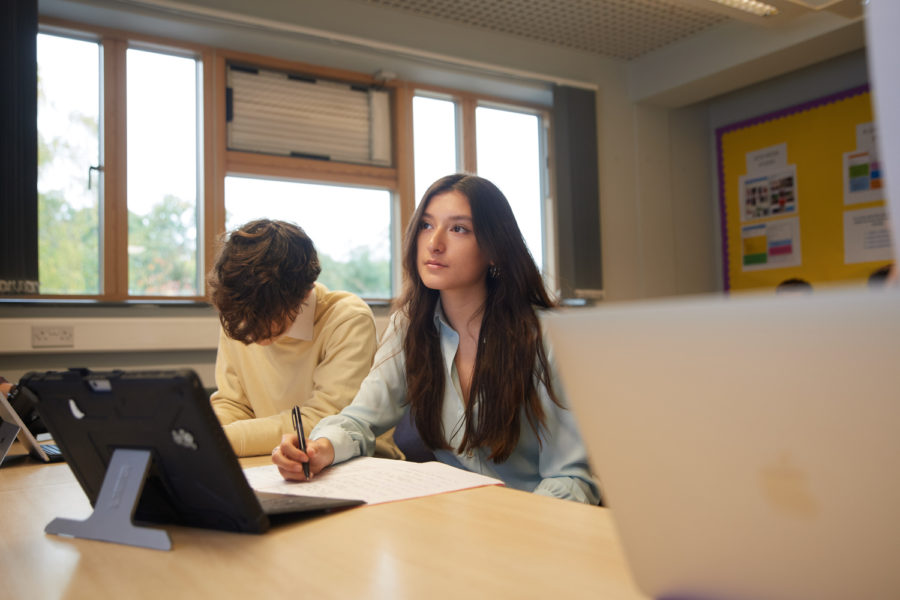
(508, 150)
(68, 155)
(163, 168)
(434, 141)
(149, 150)
(508, 147)
(98, 235)
(350, 226)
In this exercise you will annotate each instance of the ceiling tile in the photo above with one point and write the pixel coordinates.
(618, 29)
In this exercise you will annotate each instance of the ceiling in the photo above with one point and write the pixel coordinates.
(621, 29)
(669, 53)
(615, 29)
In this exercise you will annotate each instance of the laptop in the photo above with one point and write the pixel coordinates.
(747, 447)
(8, 433)
(10, 416)
(149, 442)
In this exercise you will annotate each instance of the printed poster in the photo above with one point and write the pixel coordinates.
(862, 169)
(769, 188)
(771, 245)
(867, 235)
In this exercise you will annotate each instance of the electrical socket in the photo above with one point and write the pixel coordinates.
(52, 336)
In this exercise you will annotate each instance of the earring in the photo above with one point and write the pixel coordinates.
(494, 272)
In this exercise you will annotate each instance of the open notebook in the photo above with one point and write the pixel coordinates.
(154, 435)
(749, 447)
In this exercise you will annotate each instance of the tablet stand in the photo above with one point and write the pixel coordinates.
(111, 520)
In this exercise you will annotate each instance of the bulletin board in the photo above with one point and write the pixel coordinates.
(801, 195)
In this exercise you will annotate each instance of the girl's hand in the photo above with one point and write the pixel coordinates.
(289, 458)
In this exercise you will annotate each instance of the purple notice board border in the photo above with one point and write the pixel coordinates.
(772, 116)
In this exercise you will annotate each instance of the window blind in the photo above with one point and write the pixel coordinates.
(278, 113)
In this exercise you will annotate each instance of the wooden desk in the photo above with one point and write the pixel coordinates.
(481, 543)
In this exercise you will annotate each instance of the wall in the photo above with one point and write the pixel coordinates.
(659, 183)
(142, 336)
(657, 232)
(828, 77)
(148, 336)
(659, 219)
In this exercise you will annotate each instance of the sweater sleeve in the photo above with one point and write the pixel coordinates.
(343, 362)
(229, 401)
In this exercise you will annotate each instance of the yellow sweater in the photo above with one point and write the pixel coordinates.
(258, 385)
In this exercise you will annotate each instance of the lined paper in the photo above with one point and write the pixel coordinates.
(374, 480)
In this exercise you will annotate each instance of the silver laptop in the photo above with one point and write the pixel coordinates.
(8, 433)
(748, 447)
(42, 452)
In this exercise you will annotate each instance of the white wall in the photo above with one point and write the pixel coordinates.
(659, 182)
(122, 342)
(658, 236)
(656, 208)
(658, 204)
(828, 77)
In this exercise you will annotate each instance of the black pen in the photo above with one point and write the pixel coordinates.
(298, 427)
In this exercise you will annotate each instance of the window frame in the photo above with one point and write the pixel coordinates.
(397, 178)
(218, 161)
(114, 45)
(96, 173)
(466, 105)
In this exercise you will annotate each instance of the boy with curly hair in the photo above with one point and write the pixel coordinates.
(286, 340)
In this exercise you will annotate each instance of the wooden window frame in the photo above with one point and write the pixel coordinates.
(114, 45)
(219, 162)
(467, 103)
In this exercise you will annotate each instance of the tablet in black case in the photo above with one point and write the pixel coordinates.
(193, 476)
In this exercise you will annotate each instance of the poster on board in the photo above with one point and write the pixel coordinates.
(770, 186)
(862, 169)
(867, 235)
(802, 195)
(771, 245)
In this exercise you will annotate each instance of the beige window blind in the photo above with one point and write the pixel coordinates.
(273, 112)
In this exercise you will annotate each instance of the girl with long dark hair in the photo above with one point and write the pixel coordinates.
(465, 354)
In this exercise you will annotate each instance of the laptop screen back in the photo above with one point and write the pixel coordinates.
(747, 447)
(194, 479)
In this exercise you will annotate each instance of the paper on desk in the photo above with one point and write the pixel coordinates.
(374, 480)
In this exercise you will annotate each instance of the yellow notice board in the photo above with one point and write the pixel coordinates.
(802, 196)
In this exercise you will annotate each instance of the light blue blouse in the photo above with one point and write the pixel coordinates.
(557, 467)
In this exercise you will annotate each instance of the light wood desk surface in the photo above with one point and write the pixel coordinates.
(487, 542)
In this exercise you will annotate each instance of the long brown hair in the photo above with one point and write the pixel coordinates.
(511, 360)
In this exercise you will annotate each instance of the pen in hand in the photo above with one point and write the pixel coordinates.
(298, 427)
